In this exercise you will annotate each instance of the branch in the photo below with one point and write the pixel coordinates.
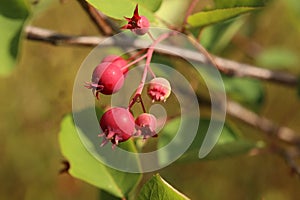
(283, 133)
(232, 67)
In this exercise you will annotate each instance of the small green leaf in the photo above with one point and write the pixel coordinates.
(157, 189)
(277, 58)
(86, 167)
(213, 16)
(13, 15)
(238, 3)
(245, 90)
(119, 8)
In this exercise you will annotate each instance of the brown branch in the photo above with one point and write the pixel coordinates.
(229, 66)
(283, 133)
(101, 21)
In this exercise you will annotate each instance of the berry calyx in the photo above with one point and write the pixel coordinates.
(117, 125)
(159, 89)
(146, 124)
(107, 79)
(117, 60)
(137, 24)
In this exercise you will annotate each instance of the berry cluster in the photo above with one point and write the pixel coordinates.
(118, 124)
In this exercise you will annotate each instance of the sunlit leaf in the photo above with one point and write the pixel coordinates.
(157, 189)
(166, 11)
(119, 8)
(13, 15)
(86, 167)
(238, 3)
(213, 16)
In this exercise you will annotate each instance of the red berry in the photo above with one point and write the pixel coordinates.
(117, 125)
(117, 60)
(159, 89)
(107, 79)
(146, 124)
(143, 24)
(137, 24)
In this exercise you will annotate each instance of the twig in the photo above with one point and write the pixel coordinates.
(232, 67)
(189, 11)
(283, 133)
(98, 18)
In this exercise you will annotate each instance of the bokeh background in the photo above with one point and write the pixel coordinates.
(36, 96)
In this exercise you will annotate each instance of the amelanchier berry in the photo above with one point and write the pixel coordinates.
(137, 24)
(159, 89)
(146, 124)
(117, 125)
(107, 79)
(117, 60)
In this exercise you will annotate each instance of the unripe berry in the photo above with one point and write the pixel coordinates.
(118, 61)
(146, 124)
(107, 79)
(159, 89)
(117, 125)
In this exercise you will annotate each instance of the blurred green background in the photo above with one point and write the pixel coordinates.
(36, 96)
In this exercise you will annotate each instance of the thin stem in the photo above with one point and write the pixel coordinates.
(136, 54)
(151, 36)
(133, 62)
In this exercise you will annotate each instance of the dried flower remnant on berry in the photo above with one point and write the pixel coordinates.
(159, 89)
(117, 126)
(107, 78)
(137, 24)
(146, 124)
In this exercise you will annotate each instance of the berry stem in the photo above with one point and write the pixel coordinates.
(133, 62)
(147, 65)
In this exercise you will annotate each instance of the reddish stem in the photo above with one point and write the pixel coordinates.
(147, 66)
(133, 62)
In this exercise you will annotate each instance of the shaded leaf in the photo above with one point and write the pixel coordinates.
(229, 143)
(277, 58)
(84, 166)
(157, 189)
(245, 90)
(119, 8)
(13, 15)
(216, 37)
(213, 16)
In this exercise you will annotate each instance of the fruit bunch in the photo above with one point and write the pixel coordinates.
(118, 123)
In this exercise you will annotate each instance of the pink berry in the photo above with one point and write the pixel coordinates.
(159, 89)
(117, 60)
(137, 24)
(117, 125)
(146, 124)
(107, 79)
(143, 24)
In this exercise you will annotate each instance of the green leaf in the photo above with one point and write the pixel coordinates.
(157, 189)
(119, 8)
(277, 58)
(248, 91)
(84, 166)
(213, 16)
(238, 3)
(216, 37)
(13, 15)
(229, 143)
(166, 11)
